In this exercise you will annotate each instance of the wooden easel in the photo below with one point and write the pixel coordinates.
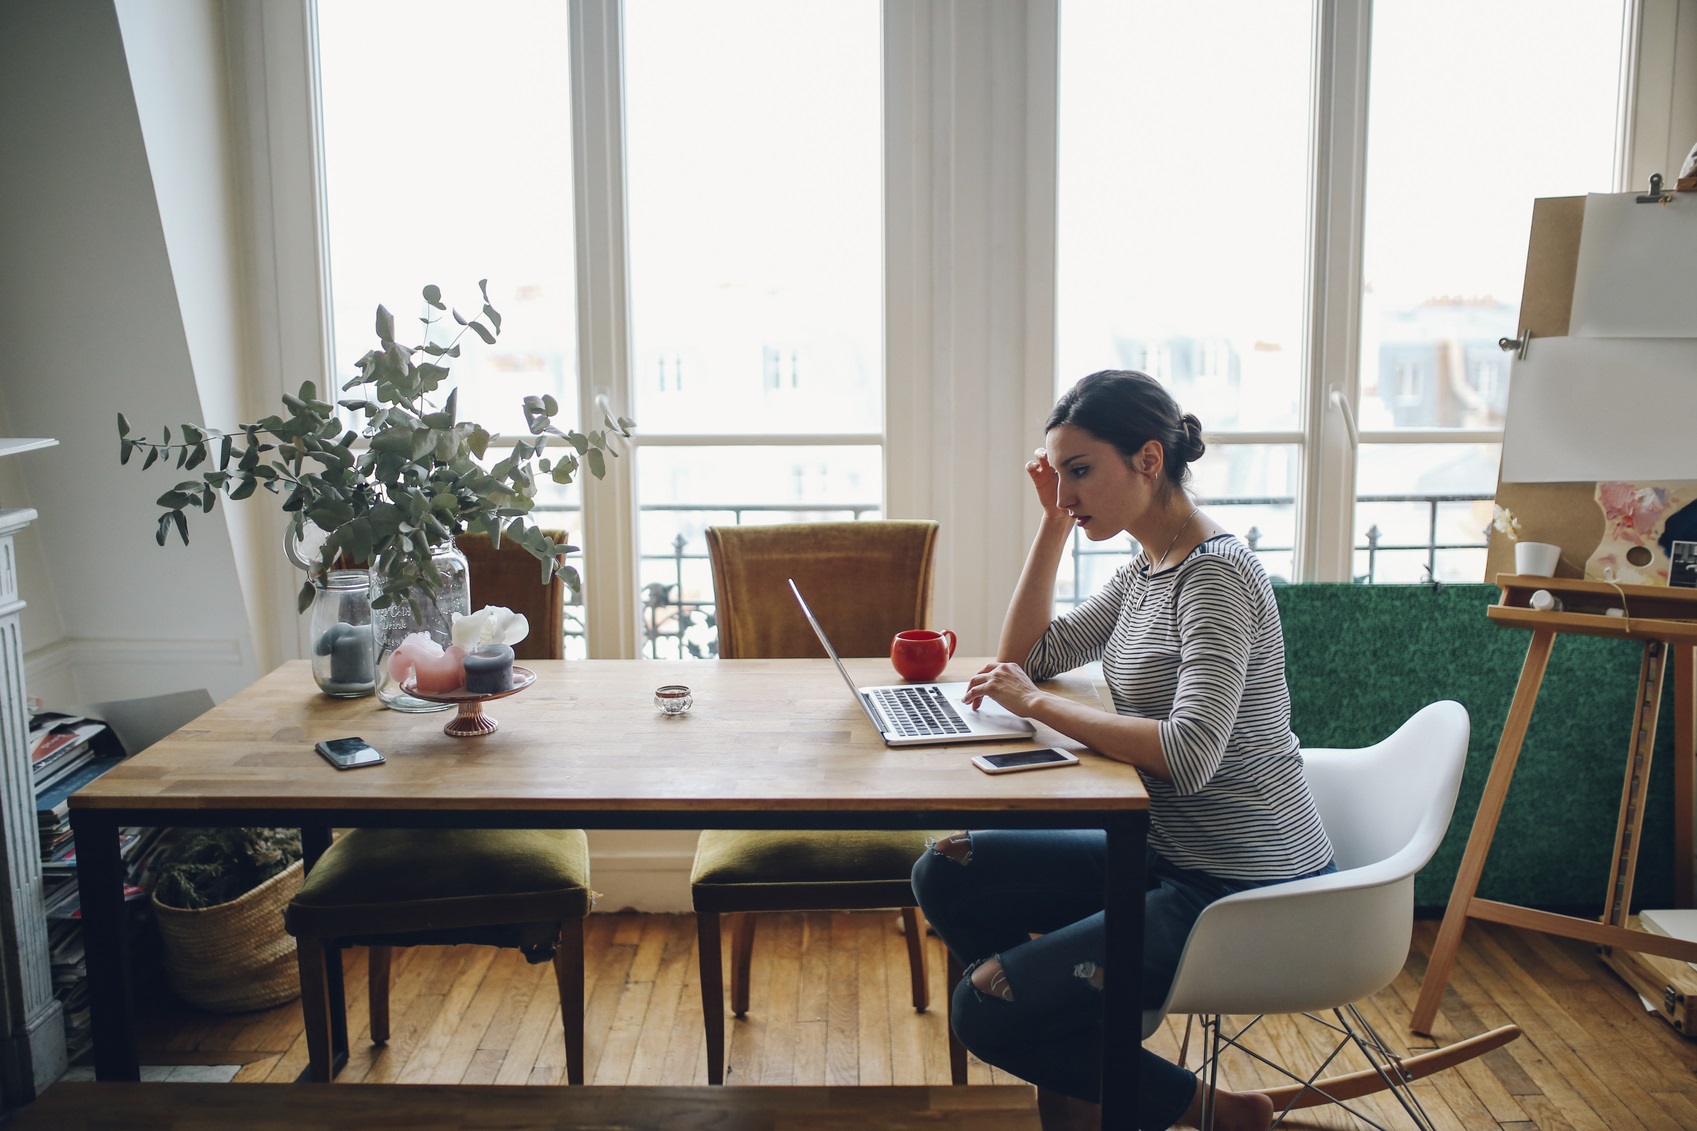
(1666, 621)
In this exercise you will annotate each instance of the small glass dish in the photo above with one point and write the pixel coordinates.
(673, 699)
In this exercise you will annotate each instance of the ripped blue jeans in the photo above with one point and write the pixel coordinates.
(1021, 882)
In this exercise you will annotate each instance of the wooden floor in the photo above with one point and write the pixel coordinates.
(830, 1006)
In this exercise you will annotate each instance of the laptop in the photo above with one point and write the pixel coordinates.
(913, 714)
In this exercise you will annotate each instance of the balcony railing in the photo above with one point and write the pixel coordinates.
(677, 589)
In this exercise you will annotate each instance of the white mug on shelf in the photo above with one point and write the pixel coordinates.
(1536, 559)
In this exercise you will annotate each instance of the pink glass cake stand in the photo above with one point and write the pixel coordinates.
(470, 721)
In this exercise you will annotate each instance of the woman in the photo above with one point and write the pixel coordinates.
(1189, 640)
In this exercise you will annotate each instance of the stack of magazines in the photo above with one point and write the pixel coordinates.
(66, 753)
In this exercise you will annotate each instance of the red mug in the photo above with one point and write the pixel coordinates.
(920, 655)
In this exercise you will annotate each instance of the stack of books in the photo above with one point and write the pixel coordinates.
(52, 801)
(66, 753)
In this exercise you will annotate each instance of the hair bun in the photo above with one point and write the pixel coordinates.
(1193, 443)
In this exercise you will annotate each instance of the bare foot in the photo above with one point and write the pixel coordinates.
(1233, 1111)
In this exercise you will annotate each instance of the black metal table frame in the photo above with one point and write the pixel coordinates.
(106, 941)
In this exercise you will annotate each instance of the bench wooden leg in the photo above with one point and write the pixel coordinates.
(914, 928)
(380, 959)
(710, 954)
(568, 972)
(315, 1007)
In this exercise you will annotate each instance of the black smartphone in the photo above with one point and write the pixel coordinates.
(1024, 760)
(349, 753)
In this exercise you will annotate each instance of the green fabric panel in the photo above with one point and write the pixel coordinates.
(1360, 659)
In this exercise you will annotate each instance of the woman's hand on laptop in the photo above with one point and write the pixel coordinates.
(1006, 684)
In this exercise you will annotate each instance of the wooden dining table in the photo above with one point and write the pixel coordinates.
(767, 744)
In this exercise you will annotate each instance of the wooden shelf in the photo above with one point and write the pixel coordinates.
(1654, 612)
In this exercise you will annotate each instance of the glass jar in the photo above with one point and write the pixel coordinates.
(340, 628)
(424, 609)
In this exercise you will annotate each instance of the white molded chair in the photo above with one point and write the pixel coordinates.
(1316, 945)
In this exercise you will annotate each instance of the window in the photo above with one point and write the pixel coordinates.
(1184, 228)
(753, 149)
(1181, 213)
(1446, 217)
(753, 181)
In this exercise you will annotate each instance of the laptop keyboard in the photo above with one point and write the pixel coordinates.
(916, 712)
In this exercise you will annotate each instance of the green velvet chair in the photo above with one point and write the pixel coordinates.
(865, 581)
(383, 888)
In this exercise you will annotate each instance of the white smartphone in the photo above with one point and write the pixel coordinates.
(1023, 760)
(349, 753)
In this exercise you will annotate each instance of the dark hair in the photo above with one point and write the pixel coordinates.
(1127, 409)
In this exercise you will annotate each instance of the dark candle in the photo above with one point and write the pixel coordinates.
(489, 669)
(349, 649)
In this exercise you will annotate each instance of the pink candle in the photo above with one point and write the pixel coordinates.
(438, 675)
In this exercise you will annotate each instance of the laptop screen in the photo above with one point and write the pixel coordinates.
(832, 652)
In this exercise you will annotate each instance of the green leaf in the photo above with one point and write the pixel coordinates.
(244, 488)
(493, 315)
(303, 601)
(482, 331)
(182, 525)
(125, 447)
(164, 528)
(478, 442)
(460, 318)
(123, 426)
(385, 325)
(224, 447)
(597, 465)
(433, 296)
(152, 458)
(550, 405)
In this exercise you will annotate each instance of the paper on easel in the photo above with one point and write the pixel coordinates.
(1633, 262)
(1590, 409)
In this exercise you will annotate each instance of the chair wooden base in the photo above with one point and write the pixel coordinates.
(1386, 1071)
(1354, 1085)
(313, 956)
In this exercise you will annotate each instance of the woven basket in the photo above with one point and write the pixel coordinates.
(235, 956)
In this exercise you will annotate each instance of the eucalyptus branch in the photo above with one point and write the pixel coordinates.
(418, 481)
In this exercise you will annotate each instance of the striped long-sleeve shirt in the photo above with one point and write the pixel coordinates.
(1198, 647)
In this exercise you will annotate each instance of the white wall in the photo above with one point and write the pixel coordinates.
(94, 323)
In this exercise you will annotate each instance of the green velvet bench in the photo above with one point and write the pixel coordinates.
(1361, 659)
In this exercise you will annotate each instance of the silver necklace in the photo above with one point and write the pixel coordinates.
(1155, 566)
